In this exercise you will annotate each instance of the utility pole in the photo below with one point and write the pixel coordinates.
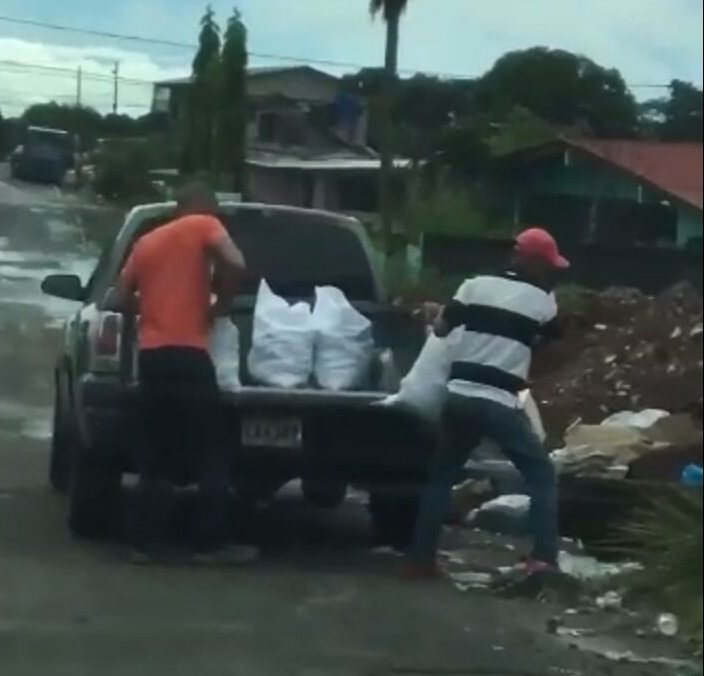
(116, 80)
(79, 86)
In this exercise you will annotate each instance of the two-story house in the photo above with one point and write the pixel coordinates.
(306, 139)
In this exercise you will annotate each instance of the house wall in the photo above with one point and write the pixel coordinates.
(582, 199)
(297, 85)
(275, 186)
(689, 225)
(571, 174)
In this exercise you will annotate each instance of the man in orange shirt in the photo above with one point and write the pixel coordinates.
(168, 280)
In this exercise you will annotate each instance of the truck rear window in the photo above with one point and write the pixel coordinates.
(295, 252)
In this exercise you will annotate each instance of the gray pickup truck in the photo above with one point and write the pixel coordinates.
(328, 440)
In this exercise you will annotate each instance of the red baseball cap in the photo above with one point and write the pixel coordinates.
(539, 243)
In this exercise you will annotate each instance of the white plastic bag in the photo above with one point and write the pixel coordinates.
(424, 388)
(344, 346)
(282, 341)
(225, 352)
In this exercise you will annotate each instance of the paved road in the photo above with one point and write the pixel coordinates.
(317, 604)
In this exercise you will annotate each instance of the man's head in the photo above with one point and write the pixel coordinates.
(196, 198)
(537, 255)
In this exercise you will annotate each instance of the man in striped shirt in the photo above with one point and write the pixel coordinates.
(500, 320)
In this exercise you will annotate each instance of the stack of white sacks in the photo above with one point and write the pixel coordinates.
(294, 346)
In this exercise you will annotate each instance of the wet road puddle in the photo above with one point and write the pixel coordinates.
(34, 242)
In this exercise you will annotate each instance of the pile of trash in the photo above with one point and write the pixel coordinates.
(609, 450)
(622, 350)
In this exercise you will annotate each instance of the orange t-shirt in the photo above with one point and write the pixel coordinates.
(170, 270)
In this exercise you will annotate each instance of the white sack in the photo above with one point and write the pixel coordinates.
(282, 341)
(424, 388)
(344, 345)
(225, 352)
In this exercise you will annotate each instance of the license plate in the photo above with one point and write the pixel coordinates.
(272, 432)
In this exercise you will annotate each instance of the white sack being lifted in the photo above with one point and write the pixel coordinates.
(282, 341)
(424, 388)
(344, 346)
(225, 352)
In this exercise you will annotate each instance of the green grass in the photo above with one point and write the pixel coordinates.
(666, 537)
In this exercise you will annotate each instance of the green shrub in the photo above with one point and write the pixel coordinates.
(122, 174)
(454, 211)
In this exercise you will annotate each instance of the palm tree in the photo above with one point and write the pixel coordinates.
(391, 10)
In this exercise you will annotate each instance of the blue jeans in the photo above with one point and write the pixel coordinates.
(466, 421)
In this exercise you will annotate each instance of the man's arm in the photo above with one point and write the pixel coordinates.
(453, 314)
(123, 298)
(230, 267)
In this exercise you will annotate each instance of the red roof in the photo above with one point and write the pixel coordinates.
(674, 168)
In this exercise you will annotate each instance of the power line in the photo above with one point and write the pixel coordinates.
(259, 55)
(9, 65)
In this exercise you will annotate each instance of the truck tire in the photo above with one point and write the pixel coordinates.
(325, 494)
(94, 497)
(60, 452)
(393, 518)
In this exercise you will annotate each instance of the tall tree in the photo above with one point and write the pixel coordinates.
(231, 119)
(201, 108)
(391, 11)
(677, 117)
(562, 88)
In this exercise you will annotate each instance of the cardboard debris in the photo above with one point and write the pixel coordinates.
(609, 449)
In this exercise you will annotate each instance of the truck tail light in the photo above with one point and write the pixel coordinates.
(107, 342)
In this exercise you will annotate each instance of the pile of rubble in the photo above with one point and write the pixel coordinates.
(622, 350)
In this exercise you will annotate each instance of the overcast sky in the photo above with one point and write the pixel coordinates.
(650, 41)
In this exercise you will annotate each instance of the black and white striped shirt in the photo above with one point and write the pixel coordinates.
(502, 318)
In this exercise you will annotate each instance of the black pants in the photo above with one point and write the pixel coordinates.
(179, 415)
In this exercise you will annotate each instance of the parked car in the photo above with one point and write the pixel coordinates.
(44, 156)
(330, 440)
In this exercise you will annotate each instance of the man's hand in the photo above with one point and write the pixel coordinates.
(428, 313)
(218, 309)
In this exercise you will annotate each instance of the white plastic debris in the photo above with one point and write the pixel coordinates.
(640, 420)
(472, 578)
(668, 624)
(611, 600)
(282, 341)
(589, 568)
(224, 351)
(507, 514)
(344, 346)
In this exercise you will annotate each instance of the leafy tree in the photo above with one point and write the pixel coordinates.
(86, 122)
(562, 88)
(391, 11)
(231, 119)
(519, 129)
(677, 117)
(200, 111)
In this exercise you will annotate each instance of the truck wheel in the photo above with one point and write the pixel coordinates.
(325, 494)
(94, 497)
(60, 453)
(393, 518)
